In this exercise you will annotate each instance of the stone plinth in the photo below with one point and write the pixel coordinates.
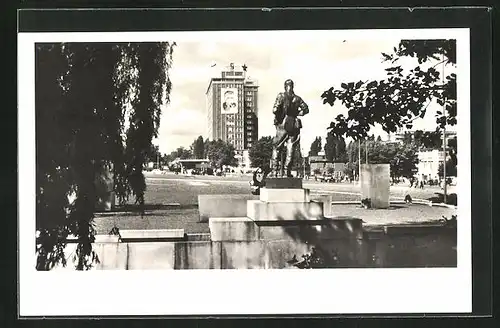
(270, 195)
(375, 184)
(220, 206)
(284, 211)
(283, 183)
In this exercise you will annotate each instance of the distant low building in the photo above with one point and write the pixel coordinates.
(399, 136)
(321, 164)
(190, 164)
(428, 163)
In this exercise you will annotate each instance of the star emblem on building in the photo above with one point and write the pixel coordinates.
(244, 67)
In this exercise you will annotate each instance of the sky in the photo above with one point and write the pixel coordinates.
(313, 64)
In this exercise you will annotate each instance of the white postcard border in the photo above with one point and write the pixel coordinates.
(219, 292)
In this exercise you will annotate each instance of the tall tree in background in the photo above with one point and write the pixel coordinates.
(198, 148)
(261, 152)
(331, 147)
(341, 150)
(315, 147)
(298, 162)
(403, 96)
(221, 153)
(353, 160)
(153, 154)
(335, 149)
(98, 107)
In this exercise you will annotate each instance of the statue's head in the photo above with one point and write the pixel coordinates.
(289, 85)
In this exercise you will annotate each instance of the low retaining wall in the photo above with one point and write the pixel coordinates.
(388, 247)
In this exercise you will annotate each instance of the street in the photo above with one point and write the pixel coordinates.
(172, 188)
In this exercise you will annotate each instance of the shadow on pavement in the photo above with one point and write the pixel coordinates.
(451, 199)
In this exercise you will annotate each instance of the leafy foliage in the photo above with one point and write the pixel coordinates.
(403, 96)
(402, 158)
(152, 154)
(451, 169)
(424, 140)
(181, 153)
(98, 107)
(221, 153)
(318, 258)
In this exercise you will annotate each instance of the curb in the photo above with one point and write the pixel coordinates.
(346, 202)
(398, 201)
(128, 213)
(444, 205)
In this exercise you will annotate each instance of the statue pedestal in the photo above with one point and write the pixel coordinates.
(283, 211)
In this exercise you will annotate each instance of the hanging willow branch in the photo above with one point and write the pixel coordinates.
(98, 106)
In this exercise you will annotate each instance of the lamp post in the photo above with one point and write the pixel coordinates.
(444, 165)
(359, 161)
(303, 162)
(366, 150)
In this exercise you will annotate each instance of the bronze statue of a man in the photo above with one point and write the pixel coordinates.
(287, 107)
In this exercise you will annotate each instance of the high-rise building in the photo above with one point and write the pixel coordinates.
(232, 109)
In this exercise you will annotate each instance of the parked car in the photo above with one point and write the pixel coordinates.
(324, 177)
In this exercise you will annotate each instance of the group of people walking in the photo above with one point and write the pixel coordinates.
(417, 182)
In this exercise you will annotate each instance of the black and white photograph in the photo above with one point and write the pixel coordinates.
(340, 153)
